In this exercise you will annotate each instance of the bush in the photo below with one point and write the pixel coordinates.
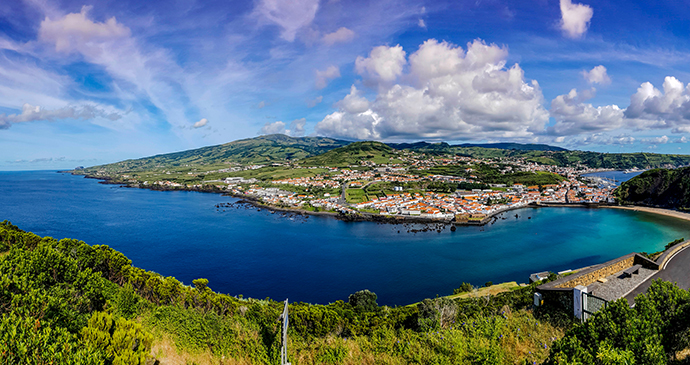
(436, 313)
(464, 288)
(363, 300)
(673, 243)
(650, 333)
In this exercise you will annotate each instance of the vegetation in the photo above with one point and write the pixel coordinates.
(464, 288)
(669, 188)
(66, 302)
(653, 332)
(262, 149)
(188, 166)
(354, 154)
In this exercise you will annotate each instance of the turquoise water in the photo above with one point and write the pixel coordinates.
(316, 259)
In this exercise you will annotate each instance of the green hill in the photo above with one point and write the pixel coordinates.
(660, 187)
(262, 149)
(353, 154)
(322, 151)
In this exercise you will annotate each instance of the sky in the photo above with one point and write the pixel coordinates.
(92, 82)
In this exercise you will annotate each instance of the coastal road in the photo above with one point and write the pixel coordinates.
(677, 270)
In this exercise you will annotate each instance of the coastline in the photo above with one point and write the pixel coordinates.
(369, 217)
(659, 211)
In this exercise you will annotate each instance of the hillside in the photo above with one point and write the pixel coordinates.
(322, 151)
(354, 154)
(660, 187)
(597, 160)
(262, 149)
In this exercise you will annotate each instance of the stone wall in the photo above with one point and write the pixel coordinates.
(587, 278)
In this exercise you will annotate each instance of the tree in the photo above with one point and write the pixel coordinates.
(363, 300)
(464, 288)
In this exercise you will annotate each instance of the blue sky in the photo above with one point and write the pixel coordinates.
(91, 82)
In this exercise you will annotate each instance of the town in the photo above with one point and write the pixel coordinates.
(407, 188)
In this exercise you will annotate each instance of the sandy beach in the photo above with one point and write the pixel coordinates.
(661, 211)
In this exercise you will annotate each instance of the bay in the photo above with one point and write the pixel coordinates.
(615, 175)
(319, 259)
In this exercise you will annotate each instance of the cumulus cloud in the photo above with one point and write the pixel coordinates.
(604, 139)
(296, 128)
(650, 108)
(323, 77)
(575, 18)
(291, 15)
(574, 116)
(76, 32)
(32, 113)
(384, 63)
(273, 128)
(341, 35)
(200, 123)
(597, 75)
(454, 95)
(656, 140)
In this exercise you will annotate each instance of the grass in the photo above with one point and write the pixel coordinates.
(510, 338)
(491, 290)
(355, 196)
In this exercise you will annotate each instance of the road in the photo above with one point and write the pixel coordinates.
(677, 270)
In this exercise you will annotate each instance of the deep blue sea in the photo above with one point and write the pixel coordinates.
(319, 259)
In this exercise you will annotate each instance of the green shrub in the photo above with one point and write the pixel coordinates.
(363, 300)
(464, 288)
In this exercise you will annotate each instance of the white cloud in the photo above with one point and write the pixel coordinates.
(650, 108)
(200, 123)
(261, 105)
(421, 23)
(341, 35)
(573, 116)
(681, 140)
(597, 75)
(604, 139)
(316, 101)
(575, 18)
(656, 140)
(273, 128)
(32, 113)
(384, 63)
(296, 128)
(138, 72)
(323, 77)
(291, 15)
(457, 96)
(76, 32)
(353, 103)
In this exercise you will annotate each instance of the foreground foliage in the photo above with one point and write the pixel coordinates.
(652, 332)
(66, 302)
